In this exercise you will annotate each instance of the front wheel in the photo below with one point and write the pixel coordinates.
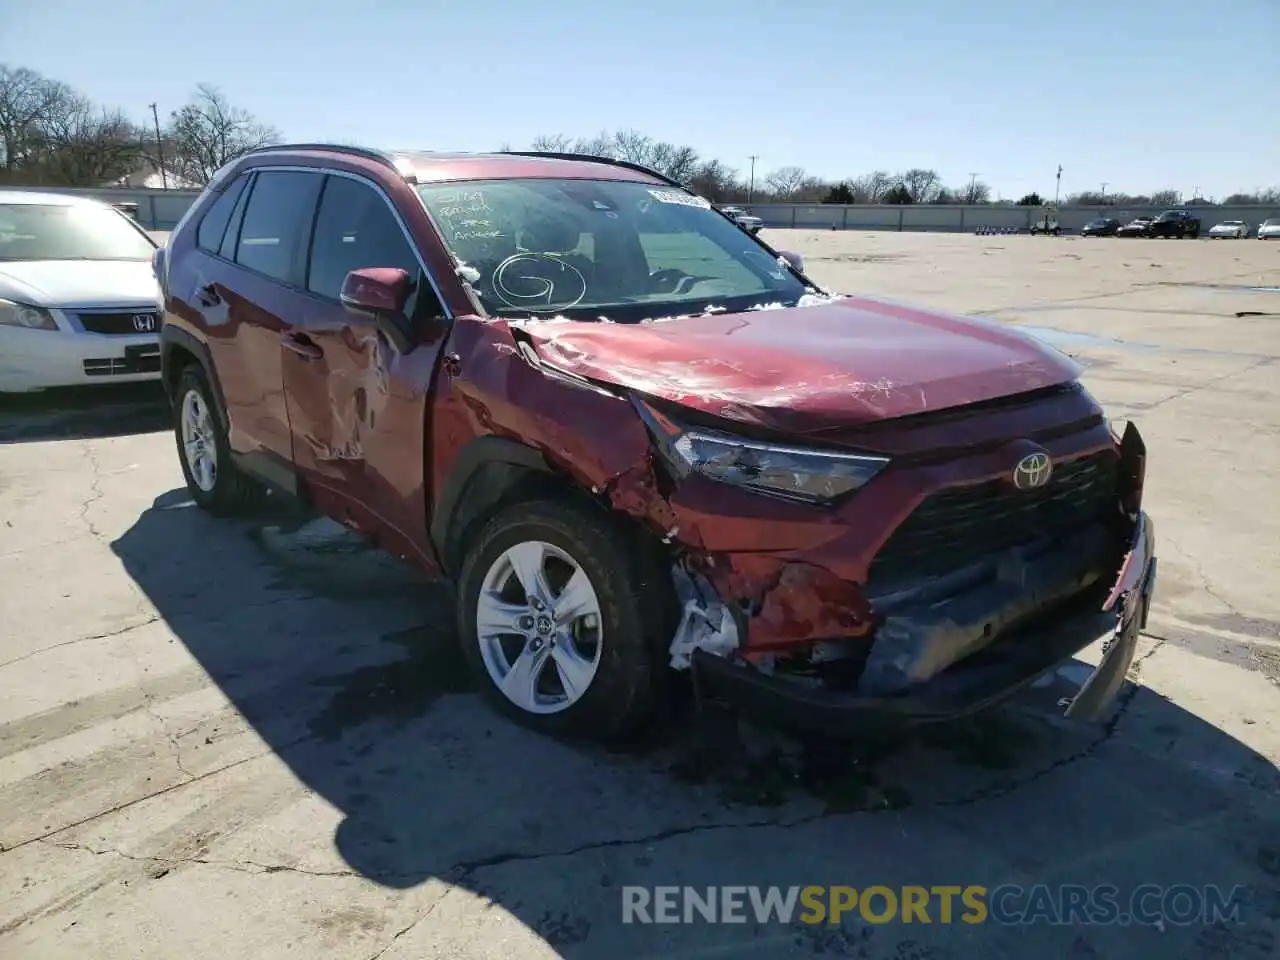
(561, 619)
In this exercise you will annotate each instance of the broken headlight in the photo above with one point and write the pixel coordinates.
(814, 476)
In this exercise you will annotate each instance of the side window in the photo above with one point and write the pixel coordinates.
(276, 223)
(228, 249)
(355, 228)
(214, 223)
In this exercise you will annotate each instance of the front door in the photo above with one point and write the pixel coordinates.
(356, 406)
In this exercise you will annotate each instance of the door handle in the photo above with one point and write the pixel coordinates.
(302, 345)
(208, 295)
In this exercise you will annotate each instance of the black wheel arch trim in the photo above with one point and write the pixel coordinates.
(172, 337)
(447, 523)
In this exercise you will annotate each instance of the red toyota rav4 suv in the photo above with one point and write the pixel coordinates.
(639, 439)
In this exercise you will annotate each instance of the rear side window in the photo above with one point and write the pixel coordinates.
(355, 228)
(276, 223)
(214, 223)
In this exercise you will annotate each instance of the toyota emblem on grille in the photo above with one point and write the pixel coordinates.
(144, 322)
(1033, 471)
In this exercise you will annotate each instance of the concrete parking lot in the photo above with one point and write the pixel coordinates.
(254, 739)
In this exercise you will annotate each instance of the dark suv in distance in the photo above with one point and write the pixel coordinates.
(1176, 224)
(638, 439)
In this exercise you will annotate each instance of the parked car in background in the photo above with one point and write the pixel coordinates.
(1102, 227)
(414, 343)
(1137, 227)
(1176, 224)
(1269, 229)
(746, 221)
(1229, 230)
(78, 300)
(1047, 224)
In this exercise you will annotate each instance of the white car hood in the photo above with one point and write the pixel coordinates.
(79, 284)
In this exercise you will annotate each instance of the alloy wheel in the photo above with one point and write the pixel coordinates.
(198, 442)
(539, 627)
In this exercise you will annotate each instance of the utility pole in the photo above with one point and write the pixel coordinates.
(1104, 191)
(164, 179)
(973, 178)
(1057, 191)
(751, 184)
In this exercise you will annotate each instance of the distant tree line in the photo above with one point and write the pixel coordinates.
(53, 135)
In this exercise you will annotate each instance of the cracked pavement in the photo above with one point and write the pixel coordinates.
(235, 738)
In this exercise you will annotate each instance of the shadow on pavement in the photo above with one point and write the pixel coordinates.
(84, 413)
(345, 663)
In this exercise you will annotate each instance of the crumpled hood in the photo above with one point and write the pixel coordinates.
(78, 284)
(853, 360)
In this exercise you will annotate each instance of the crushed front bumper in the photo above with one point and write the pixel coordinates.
(980, 680)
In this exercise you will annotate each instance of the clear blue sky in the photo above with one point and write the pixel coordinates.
(1143, 94)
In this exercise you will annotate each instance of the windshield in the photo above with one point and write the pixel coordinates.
(1273, 222)
(35, 231)
(590, 249)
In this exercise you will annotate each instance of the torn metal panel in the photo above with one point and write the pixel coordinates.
(789, 603)
(706, 622)
(590, 434)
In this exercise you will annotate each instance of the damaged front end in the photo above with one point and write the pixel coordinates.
(808, 650)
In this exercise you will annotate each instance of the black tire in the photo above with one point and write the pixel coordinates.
(637, 606)
(232, 491)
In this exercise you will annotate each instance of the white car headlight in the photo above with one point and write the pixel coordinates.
(13, 314)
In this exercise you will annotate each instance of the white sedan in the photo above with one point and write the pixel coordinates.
(1229, 229)
(1269, 229)
(79, 302)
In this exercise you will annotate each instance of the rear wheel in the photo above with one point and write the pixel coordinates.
(212, 479)
(561, 619)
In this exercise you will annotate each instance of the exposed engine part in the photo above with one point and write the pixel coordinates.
(706, 622)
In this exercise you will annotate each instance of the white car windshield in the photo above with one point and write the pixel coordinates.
(37, 231)
(586, 249)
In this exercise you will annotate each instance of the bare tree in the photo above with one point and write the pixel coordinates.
(974, 192)
(90, 146)
(27, 100)
(678, 163)
(1165, 198)
(1268, 197)
(922, 185)
(600, 145)
(632, 146)
(551, 143)
(209, 132)
(715, 181)
(871, 187)
(50, 134)
(786, 182)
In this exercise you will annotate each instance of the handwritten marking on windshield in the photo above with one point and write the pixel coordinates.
(533, 279)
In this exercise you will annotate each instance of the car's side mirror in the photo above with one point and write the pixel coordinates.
(381, 295)
(794, 259)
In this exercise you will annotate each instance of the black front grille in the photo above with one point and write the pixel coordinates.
(133, 322)
(958, 526)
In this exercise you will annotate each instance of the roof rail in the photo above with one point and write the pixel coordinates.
(592, 158)
(367, 153)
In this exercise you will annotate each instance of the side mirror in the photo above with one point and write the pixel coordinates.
(794, 259)
(381, 294)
